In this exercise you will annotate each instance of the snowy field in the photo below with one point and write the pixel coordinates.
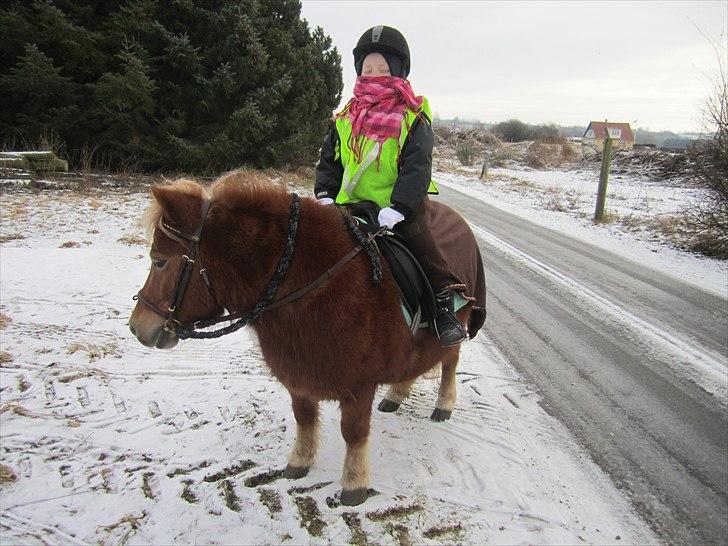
(564, 200)
(105, 441)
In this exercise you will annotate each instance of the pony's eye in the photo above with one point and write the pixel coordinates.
(159, 264)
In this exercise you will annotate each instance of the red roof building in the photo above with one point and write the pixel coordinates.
(597, 132)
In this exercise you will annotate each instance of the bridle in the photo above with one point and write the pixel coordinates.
(266, 303)
(172, 324)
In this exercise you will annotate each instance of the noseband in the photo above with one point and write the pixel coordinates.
(266, 303)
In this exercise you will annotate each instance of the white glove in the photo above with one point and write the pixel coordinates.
(324, 201)
(389, 217)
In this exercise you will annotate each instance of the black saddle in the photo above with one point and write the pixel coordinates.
(415, 290)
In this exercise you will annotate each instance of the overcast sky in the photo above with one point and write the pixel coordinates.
(568, 62)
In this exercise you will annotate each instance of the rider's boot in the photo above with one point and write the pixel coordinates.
(447, 326)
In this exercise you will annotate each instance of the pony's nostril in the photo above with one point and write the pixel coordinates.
(133, 330)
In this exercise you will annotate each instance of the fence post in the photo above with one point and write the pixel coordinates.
(603, 179)
(484, 169)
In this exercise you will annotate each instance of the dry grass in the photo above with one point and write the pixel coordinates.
(132, 240)
(7, 474)
(17, 409)
(11, 237)
(93, 351)
(5, 357)
(69, 244)
(608, 218)
(4, 320)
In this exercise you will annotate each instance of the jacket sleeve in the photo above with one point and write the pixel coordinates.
(415, 170)
(329, 170)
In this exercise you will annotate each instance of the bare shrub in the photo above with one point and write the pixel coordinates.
(707, 227)
(70, 244)
(548, 134)
(567, 153)
(465, 152)
(538, 155)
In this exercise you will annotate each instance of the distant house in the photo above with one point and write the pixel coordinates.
(597, 132)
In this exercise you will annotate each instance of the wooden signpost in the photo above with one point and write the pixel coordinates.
(603, 179)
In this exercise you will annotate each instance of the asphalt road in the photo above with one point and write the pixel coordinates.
(609, 345)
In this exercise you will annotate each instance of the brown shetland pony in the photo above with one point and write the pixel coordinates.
(338, 342)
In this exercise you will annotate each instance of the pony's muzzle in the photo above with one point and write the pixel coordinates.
(151, 331)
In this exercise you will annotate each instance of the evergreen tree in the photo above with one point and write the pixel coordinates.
(190, 84)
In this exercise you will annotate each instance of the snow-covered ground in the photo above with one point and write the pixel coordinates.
(564, 200)
(109, 441)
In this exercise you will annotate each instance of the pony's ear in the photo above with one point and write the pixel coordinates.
(179, 207)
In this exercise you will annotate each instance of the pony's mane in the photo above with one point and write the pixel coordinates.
(154, 211)
(244, 188)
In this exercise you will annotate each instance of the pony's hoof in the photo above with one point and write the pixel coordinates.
(387, 406)
(295, 472)
(440, 414)
(354, 497)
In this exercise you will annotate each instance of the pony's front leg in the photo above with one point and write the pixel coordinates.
(306, 444)
(356, 411)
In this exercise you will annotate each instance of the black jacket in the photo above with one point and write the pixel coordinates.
(415, 168)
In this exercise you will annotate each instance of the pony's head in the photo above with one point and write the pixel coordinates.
(175, 289)
(241, 220)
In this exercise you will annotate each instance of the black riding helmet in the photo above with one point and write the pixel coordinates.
(388, 41)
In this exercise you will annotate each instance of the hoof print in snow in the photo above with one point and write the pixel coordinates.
(109, 480)
(394, 513)
(310, 516)
(440, 415)
(263, 479)
(229, 471)
(150, 485)
(353, 522)
(387, 406)
(184, 471)
(399, 532)
(229, 495)
(187, 493)
(66, 476)
(154, 409)
(451, 532)
(271, 500)
(295, 472)
(301, 490)
(83, 397)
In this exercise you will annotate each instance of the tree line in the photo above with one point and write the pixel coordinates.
(190, 85)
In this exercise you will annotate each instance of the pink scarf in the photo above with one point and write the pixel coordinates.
(377, 109)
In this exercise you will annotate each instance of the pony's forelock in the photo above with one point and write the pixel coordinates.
(154, 211)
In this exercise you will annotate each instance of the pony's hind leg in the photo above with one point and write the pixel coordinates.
(307, 431)
(447, 392)
(395, 396)
(356, 411)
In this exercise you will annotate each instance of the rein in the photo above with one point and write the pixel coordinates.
(266, 302)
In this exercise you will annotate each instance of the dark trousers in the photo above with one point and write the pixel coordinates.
(416, 234)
